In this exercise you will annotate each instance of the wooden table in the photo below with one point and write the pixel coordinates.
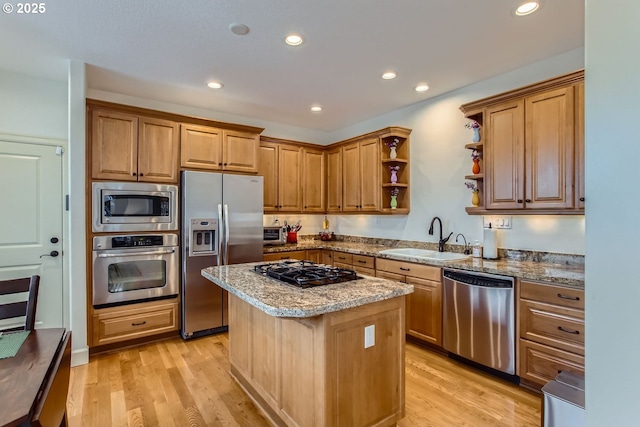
(34, 383)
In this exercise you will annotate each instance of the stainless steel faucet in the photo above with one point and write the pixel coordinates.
(441, 241)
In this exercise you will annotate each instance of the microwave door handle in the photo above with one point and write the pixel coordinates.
(220, 234)
(126, 254)
(226, 234)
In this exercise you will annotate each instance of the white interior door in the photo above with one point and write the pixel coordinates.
(30, 223)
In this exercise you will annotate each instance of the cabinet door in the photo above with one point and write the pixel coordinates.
(269, 170)
(504, 182)
(327, 257)
(240, 151)
(314, 255)
(114, 146)
(351, 177)
(549, 149)
(334, 180)
(424, 310)
(370, 187)
(158, 148)
(200, 147)
(579, 141)
(289, 183)
(313, 182)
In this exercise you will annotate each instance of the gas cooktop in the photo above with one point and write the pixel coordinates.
(305, 274)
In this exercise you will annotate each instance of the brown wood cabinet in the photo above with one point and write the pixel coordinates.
(281, 256)
(327, 257)
(115, 324)
(424, 305)
(361, 180)
(209, 148)
(127, 147)
(280, 165)
(363, 264)
(316, 371)
(313, 180)
(551, 330)
(334, 180)
(533, 148)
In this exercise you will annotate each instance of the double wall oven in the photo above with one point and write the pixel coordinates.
(144, 263)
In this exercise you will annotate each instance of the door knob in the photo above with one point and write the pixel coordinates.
(52, 254)
(54, 240)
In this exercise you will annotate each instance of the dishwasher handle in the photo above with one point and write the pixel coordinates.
(486, 281)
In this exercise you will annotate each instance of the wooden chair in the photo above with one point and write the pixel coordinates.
(22, 308)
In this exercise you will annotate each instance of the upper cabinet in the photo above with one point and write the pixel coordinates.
(374, 172)
(280, 165)
(209, 148)
(532, 148)
(314, 184)
(127, 147)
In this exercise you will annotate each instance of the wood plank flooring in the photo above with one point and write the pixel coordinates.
(187, 383)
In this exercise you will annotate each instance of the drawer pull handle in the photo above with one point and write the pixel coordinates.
(569, 297)
(284, 257)
(405, 269)
(362, 261)
(139, 323)
(569, 331)
(341, 257)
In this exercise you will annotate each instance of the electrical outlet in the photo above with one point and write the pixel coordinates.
(369, 336)
(496, 221)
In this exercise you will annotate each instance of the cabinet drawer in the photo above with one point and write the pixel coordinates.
(281, 256)
(540, 363)
(410, 269)
(364, 270)
(566, 297)
(342, 258)
(559, 327)
(391, 276)
(364, 261)
(341, 265)
(134, 322)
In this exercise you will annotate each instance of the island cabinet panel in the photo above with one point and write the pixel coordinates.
(314, 372)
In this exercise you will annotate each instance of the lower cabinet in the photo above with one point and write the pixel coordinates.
(283, 256)
(314, 255)
(551, 331)
(363, 264)
(115, 324)
(424, 305)
(327, 256)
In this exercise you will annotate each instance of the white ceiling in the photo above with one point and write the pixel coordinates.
(167, 50)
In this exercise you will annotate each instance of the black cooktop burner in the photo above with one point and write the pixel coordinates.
(305, 274)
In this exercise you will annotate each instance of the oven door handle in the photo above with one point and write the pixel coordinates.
(126, 254)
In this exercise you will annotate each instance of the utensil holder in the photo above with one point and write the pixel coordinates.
(292, 237)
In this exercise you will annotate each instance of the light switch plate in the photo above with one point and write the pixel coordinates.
(369, 336)
(496, 221)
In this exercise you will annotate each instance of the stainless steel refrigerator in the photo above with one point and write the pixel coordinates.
(221, 224)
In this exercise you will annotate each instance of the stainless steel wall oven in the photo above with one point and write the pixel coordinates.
(131, 268)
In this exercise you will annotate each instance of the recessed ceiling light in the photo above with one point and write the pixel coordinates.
(389, 75)
(527, 8)
(421, 88)
(214, 85)
(316, 108)
(239, 29)
(293, 40)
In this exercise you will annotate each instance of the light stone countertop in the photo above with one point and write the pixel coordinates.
(557, 273)
(282, 300)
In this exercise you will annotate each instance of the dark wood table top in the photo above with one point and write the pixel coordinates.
(22, 376)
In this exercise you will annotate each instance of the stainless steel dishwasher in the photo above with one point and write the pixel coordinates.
(478, 318)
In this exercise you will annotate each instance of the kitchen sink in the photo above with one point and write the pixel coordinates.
(425, 254)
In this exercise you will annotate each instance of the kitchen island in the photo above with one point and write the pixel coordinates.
(302, 355)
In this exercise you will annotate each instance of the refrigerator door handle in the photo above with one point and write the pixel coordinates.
(221, 233)
(226, 234)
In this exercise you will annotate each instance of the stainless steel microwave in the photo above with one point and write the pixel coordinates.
(134, 206)
(273, 235)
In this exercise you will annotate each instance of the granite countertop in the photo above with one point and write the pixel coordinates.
(282, 300)
(557, 273)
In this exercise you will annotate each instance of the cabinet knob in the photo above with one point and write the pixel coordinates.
(134, 174)
(224, 164)
(528, 200)
(582, 199)
(305, 207)
(220, 164)
(519, 200)
(141, 174)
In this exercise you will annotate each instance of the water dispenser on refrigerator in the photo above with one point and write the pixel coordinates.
(204, 237)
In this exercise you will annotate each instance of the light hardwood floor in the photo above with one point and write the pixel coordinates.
(186, 383)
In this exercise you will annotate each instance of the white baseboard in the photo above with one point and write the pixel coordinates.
(80, 357)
